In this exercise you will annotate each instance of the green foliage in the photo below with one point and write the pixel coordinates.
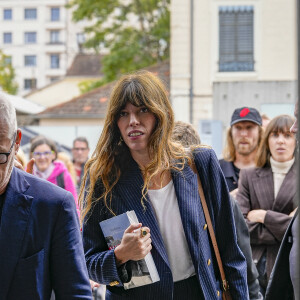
(7, 75)
(135, 32)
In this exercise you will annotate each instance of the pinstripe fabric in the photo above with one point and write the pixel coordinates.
(127, 195)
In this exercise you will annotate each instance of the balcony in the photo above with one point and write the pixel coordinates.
(55, 47)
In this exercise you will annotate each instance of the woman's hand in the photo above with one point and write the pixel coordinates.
(29, 168)
(257, 215)
(133, 246)
(94, 284)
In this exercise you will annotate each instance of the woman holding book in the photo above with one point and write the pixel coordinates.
(137, 166)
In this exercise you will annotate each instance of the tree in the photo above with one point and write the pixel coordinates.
(136, 33)
(7, 75)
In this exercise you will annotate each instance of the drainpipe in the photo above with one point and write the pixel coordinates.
(191, 59)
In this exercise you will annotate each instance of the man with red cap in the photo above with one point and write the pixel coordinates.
(243, 138)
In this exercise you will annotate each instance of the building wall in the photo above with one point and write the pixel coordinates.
(265, 96)
(274, 52)
(67, 48)
(58, 92)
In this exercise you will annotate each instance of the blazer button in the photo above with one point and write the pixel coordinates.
(208, 262)
(205, 226)
(114, 283)
(218, 293)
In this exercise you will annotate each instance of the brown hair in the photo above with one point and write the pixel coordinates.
(41, 140)
(111, 154)
(229, 150)
(280, 124)
(185, 134)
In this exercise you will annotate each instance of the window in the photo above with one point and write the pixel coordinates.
(30, 60)
(7, 14)
(30, 37)
(29, 84)
(55, 14)
(54, 61)
(236, 50)
(30, 13)
(7, 38)
(8, 60)
(54, 37)
(53, 79)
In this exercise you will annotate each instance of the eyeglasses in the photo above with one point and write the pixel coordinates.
(79, 149)
(4, 156)
(40, 154)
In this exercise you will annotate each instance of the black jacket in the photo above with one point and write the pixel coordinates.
(280, 284)
(230, 176)
(243, 240)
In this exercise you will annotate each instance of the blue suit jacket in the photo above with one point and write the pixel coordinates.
(40, 242)
(127, 196)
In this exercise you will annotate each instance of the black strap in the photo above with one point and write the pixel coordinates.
(60, 180)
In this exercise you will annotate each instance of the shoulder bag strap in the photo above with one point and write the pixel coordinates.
(211, 231)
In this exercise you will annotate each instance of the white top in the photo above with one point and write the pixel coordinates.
(165, 204)
(280, 169)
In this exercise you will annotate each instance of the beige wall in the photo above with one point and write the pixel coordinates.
(58, 92)
(274, 50)
(71, 122)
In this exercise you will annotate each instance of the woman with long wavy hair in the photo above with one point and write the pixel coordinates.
(137, 166)
(266, 194)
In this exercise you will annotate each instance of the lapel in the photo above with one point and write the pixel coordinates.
(263, 186)
(186, 188)
(15, 215)
(129, 189)
(287, 190)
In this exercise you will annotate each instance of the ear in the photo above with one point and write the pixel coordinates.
(18, 140)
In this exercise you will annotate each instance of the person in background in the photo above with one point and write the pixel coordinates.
(43, 150)
(185, 134)
(242, 141)
(65, 158)
(265, 121)
(40, 242)
(136, 166)
(284, 279)
(80, 153)
(266, 194)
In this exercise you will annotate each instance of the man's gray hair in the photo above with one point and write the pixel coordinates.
(8, 114)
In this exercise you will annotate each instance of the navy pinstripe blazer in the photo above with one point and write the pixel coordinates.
(127, 196)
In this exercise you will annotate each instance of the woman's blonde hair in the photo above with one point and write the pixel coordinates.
(229, 149)
(112, 154)
(280, 124)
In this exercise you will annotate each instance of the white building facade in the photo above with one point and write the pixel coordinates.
(40, 39)
(232, 53)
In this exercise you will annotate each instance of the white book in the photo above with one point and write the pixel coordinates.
(143, 271)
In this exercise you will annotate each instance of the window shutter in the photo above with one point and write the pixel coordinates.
(236, 38)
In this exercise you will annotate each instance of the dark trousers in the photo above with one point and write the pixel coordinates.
(188, 289)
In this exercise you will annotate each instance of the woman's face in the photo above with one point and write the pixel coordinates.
(43, 157)
(136, 125)
(282, 145)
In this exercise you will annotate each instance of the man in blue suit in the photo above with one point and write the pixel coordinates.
(40, 242)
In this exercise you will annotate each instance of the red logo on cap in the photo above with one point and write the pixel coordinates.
(244, 112)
